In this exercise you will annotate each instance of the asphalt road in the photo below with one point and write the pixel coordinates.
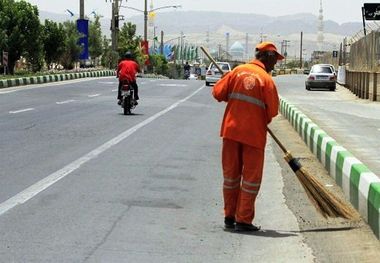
(80, 182)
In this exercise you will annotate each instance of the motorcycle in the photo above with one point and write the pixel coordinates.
(127, 99)
(187, 74)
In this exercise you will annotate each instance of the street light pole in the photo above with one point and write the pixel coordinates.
(146, 20)
(146, 12)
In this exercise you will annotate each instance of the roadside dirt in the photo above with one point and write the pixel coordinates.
(332, 240)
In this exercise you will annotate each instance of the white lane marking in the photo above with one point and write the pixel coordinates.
(51, 179)
(114, 90)
(45, 85)
(23, 110)
(93, 95)
(64, 102)
(173, 85)
(6, 92)
(107, 82)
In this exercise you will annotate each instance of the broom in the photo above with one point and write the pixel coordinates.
(324, 201)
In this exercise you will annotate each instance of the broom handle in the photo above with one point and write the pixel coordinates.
(212, 60)
(277, 140)
(221, 71)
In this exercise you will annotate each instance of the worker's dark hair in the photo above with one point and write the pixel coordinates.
(264, 55)
(128, 55)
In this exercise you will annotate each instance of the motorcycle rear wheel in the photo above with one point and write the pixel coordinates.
(127, 105)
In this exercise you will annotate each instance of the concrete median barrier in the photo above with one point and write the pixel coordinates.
(53, 78)
(360, 185)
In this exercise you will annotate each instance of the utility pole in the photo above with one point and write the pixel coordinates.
(208, 40)
(246, 45)
(344, 50)
(115, 24)
(301, 50)
(81, 9)
(162, 43)
(182, 48)
(227, 43)
(340, 55)
(285, 43)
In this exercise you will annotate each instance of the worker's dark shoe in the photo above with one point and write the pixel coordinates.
(229, 222)
(119, 102)
(242, 227)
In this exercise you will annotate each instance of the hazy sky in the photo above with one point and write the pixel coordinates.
(337, 10)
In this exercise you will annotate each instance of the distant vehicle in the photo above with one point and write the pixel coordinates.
(213, 74)
(321, 76)
(193, 77)
(329, 65)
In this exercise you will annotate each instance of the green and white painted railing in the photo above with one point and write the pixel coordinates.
(360, 185)
(53, 78)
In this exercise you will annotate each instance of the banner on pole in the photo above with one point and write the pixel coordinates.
(5, 58)
(82, 27)
(145, 49)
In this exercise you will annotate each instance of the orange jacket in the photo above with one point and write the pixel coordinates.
(252, 102)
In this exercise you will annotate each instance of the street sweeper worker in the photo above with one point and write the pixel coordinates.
(252, 102)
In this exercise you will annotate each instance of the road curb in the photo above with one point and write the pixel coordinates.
(360, 185)
(53, 78)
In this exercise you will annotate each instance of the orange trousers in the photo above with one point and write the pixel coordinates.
(242, 171)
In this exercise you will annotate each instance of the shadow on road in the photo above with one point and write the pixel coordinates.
(265, 233)
(132, 114)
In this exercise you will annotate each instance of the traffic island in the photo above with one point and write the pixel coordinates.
(53, 78)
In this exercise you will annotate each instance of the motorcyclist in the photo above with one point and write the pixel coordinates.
(186, 70)
(126, 72)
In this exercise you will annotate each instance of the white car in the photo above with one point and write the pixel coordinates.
(321, 76)
(213, 74)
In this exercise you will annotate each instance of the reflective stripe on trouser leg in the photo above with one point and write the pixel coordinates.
(253, 162)
(232, 169)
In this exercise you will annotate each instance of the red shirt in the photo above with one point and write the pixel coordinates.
(127, 70)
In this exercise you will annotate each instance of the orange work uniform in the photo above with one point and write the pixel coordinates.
(252, 102)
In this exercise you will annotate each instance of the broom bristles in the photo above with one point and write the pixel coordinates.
(324, 201)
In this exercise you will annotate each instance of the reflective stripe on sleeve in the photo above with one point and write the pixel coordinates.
(249, 99)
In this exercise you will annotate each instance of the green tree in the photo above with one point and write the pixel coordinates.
(128, 41)
(109, 57)
(159, 64)
(21, 33)
(72, 49)
(54, 41)
(95, 41)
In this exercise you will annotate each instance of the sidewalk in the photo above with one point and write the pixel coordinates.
(360, 185)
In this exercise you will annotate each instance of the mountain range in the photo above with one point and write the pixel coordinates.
(210, 28)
